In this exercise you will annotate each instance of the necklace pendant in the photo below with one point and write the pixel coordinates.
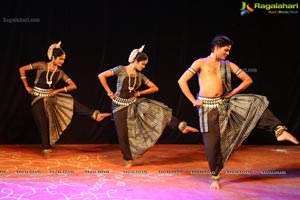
(130, 89)
(49, 83)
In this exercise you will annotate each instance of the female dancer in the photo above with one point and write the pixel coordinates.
(139, 121)
(53, 107)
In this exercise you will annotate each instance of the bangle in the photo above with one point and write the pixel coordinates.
(110, 93)
(65, 89)
(23, 77)
(138, 93)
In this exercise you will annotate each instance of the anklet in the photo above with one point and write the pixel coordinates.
(128, 163)
(182, 125)
(95, 114)
(216, 178)
(47, 151)
(279, 130)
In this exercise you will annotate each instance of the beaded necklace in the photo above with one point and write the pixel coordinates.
(131, 88)
(49, 81)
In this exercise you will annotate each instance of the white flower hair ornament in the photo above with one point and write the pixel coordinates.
(50, 49)
(134, 53)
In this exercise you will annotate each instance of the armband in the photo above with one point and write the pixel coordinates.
(238, 72)
(191, 70)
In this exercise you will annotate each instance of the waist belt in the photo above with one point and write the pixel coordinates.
(211, 102)
(40, 92)
(124, 102)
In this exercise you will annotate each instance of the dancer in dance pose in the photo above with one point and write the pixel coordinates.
(52, 107)
(139, 121)
(226, 118)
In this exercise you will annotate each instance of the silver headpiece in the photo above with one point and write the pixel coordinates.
(134, 53)
(50, 49)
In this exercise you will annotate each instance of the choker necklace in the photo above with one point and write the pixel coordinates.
(131, 88)
(49, 81)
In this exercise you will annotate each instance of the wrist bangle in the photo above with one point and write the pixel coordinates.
(110, 93)
(65, 89)
(23, 77)
(138, 93)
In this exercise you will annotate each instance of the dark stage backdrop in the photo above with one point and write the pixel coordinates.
(98, 35)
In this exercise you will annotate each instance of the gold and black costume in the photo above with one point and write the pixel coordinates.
(53, 113)
(139, 121)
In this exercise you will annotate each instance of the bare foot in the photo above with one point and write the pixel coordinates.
(102, 116)
(215, 185)
(286, 136)
(189, 129)
(128, 164)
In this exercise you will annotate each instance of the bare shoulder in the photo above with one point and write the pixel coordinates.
(200, 60)
(233, 66)
(197, 64)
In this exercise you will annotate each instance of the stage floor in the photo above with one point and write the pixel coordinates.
(167, 171)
